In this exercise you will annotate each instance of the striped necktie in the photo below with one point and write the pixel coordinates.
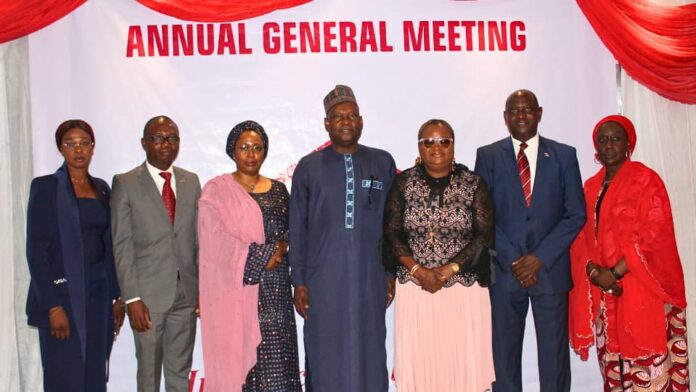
(525, 175)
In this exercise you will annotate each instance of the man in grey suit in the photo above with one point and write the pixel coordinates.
(154, 210)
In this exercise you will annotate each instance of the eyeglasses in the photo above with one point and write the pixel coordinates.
(83, 144)
(429, 142)
(159, 139)
(525, 110)
(337, 118)
(247, 148)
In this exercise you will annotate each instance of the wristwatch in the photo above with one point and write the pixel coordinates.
(455, 267)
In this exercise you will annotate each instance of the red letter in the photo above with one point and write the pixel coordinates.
(185, 42)
(496, 36)
(201, 38)
(410, 36)
(453, 35)
(518, 40)
(289, 37)
(383, 44)
(469, 27)
(346, 34)
(271, 44)
(135, 41)
(438, 36)
(329, 36)
(309, 35)
(153, 38)
(226, 39)
(241, 32)
(368, 37)
(481, 36)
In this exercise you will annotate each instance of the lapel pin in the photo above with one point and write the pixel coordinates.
(546, 155)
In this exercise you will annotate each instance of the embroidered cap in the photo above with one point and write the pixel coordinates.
(338, 94)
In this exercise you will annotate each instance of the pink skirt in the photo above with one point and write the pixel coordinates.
(443, 340)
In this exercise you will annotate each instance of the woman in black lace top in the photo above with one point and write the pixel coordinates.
(438, 223)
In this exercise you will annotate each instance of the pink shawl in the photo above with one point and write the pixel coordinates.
(229, 220)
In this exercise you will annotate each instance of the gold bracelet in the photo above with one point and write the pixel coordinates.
(415, 268)
(455, 267)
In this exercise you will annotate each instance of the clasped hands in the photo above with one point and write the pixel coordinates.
(525, 270)
(433, 279)
(603, 278)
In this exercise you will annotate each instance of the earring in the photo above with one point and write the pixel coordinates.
(454, 164)
(596, 160)
(628, 153)
(419, 161)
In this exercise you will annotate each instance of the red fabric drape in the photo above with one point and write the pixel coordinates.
(218, 10)
(655, 44)
(19, 18)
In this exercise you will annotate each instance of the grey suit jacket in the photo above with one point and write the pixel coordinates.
(148, 249)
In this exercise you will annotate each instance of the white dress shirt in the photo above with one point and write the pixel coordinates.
(531, 152)
(159, 180)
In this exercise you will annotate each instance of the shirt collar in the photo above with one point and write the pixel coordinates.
(533, 142)
(154, 172)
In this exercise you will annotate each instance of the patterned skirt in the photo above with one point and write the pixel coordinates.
(661, 372)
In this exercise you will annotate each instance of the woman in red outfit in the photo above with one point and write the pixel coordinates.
(629, 286)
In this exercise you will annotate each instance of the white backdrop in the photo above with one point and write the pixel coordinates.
(79, 68)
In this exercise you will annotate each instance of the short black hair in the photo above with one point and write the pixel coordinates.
(521, 92)
(155, 119)
(435, 121)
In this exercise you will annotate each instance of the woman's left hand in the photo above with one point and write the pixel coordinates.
(606, 281)
(119, 316)
(444, 272)
(277, 257)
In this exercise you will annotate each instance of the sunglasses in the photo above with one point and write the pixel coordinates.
(429, 142)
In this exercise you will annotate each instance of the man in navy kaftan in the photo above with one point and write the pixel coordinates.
(337, 200)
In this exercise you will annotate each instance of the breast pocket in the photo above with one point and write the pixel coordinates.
(372, 194)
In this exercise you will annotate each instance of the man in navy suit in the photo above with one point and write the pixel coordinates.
(539, 209)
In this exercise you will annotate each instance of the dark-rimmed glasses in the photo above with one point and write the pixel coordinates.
(160, 139)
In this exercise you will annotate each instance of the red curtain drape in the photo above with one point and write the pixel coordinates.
(218, 10)
(655, 44)
(19, 18)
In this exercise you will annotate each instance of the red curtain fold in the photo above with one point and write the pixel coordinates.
(655, 44)
(218, 10)
(19, 18)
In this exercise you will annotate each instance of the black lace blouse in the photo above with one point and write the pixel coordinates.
(439, 221)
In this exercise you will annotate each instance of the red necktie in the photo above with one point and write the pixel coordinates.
(525, 175)
(168, 195)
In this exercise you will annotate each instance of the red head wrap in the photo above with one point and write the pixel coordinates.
(625, 123)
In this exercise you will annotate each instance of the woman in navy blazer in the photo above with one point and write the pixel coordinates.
(74, 295)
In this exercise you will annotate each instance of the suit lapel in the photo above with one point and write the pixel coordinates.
(511, 166)
(182, 193)
(545, 168)
(150, 191)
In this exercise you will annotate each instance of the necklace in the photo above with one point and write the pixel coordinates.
(435, 208)
(79, 181)
(250, 187)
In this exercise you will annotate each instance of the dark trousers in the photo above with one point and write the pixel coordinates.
(509, 313)
(63, 366)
